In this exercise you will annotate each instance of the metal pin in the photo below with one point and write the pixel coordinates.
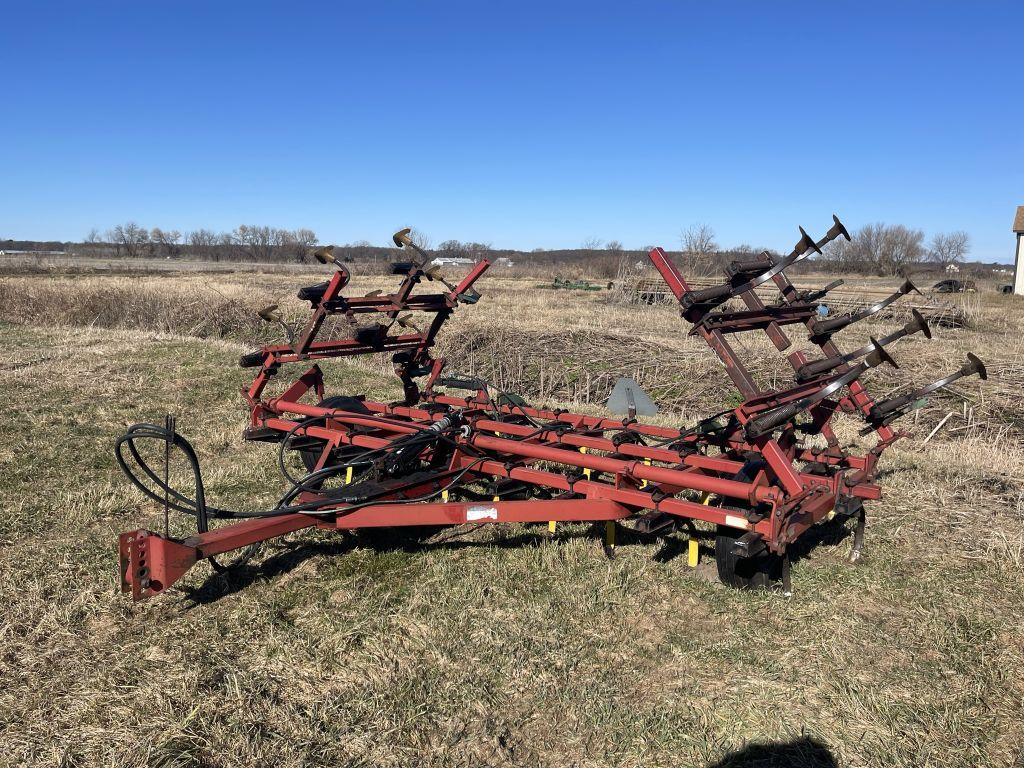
(169, 425)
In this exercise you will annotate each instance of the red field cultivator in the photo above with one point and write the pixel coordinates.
(455, 451)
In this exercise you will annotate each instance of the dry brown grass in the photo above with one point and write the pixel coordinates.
(560, 345)
(502, 646)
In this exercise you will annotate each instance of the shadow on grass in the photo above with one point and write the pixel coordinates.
(804, 752)
(828, 534)
(417, 539)
(237, 578)
(292, 554)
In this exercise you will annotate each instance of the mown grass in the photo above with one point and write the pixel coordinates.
(496, 646)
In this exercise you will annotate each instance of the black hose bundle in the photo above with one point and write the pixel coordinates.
(198, 507)
(172, 498)
(159, 490)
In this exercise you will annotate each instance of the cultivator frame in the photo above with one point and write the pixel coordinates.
(454, 451)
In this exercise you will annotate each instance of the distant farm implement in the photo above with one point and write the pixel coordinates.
(756, 477)
(565, 284)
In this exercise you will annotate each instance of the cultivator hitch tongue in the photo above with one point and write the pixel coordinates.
(887, 411)
(150, 563)
(450, 454)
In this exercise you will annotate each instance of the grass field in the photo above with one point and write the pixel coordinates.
(496, 646)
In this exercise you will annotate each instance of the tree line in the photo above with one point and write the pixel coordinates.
(250, 242)
(893, 249)
(874, 249)
(880, 249)
(247, 242)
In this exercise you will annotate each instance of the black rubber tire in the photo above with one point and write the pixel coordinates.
(762, 571)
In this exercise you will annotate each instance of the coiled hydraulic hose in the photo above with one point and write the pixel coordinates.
(196, 507)
(162, 492)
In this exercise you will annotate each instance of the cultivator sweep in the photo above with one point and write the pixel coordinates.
(453, 451)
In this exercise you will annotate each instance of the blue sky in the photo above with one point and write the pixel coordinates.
(519, 124)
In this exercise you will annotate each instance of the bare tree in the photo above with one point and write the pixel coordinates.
(881, 249)
(592, 244)
(130, 237)
(361, 249)
(624, 267)
(451, 249)
(699, 246)
(283, 246)
(165, 241)
(699, 240)
(843, 256)
(202, 242)
(202, 238)
(949, 248)
(477, 251)
(156, 235)
(93, 236)
(256, 242)
(227, 246)
(460, 250)
(302, 242)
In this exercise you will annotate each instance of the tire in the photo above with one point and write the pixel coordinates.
(761, 571)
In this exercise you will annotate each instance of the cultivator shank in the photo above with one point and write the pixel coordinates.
(455, 451)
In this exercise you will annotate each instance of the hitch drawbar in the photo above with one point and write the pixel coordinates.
(456, 451)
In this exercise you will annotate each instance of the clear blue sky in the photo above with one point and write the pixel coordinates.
(518, 124)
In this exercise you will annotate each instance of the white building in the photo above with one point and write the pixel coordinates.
(448, 261)
(1018, 230)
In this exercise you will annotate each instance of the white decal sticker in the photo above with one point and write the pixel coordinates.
(736, 522)
(481, 513)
